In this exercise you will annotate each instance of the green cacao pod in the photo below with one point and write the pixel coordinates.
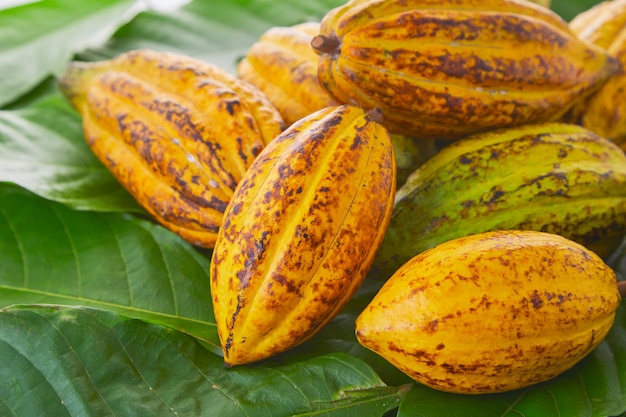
(446, 69)
(301, 231)
(176, 132)
(492, 312)
(410, 154)
(549, 177)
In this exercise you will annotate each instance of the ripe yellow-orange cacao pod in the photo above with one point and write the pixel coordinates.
(176, 132)
(283, 65)
(446, 69)
(604, 112)
(492, 312)
(300, 232)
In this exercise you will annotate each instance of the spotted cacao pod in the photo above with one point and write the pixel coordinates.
(283, 65)
(300, 232)
(492, 312)
(176, 132)
(550, 177)
(446, 69)
(604, 111)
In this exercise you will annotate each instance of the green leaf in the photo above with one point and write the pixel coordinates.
(51, 254)
(567, 9)
(42, 148)
(38, 39)
(217, 31)
(86, 362)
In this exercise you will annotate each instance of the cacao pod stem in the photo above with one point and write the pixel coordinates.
(326, 45)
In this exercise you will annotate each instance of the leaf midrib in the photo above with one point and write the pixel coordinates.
(89, 302)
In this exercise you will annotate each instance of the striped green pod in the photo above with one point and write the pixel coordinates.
(549, 177)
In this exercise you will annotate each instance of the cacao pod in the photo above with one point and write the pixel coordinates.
(176, 132)
(446, 69)
(550, 177)
(410, 154)
(492, 312)
(601, 23)
(283, 65)
(604, 111)
(300, 232)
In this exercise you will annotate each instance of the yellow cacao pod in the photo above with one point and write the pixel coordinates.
(446, 69)
(283, 65)
(604, 112)
(300, 232)
(176, 132)
(492, 312)
(550, 177)
(601, 23)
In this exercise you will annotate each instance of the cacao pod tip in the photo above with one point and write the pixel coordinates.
(325, 45)
(75, 78)
(621, 287)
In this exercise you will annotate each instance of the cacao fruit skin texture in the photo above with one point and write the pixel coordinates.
(283, 65)
(492, 312)
(410, 154)
(176, 132)
(446, 69)
(604, 111)
(550, 177)
(300, 232)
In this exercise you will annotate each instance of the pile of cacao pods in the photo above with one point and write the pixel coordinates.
(467, 154)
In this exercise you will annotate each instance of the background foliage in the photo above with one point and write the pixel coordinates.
(103, 312)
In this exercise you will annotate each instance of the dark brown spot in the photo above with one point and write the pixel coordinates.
(237, 208)
(465, 160)
(536, 300)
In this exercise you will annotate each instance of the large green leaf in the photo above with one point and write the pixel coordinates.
(86, 362)
(218, 31)
(42, 148)
(38, 39)
(51, 254)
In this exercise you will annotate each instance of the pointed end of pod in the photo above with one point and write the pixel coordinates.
(76, 78)
(323, 44)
